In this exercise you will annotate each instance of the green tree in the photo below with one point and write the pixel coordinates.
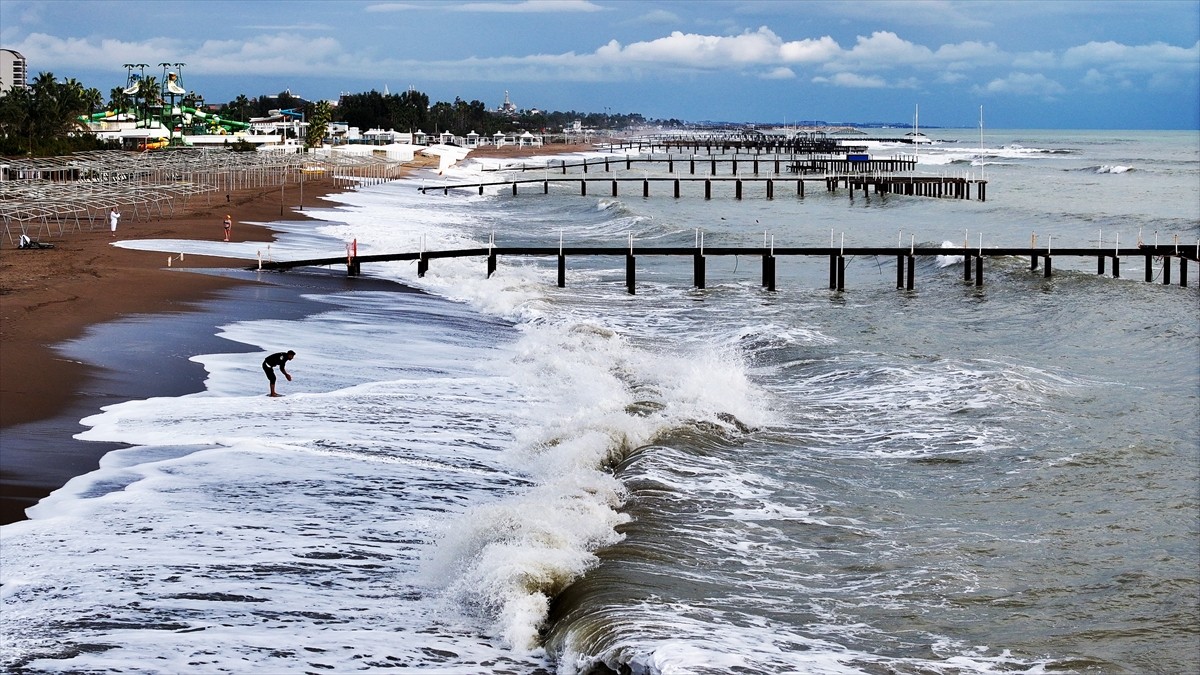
(44, 119)
(118, 100)
(318, 124)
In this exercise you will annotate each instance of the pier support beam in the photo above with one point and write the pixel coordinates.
(1116, 267)
(562, 271)
(1182, 272)
(645, 188)
(1149, 268)
(737, 188)
(967, 267)
(841, 272)
(978, 271)
(1047, 271)
(353, 267)
(698, 270)
(614, 188)
(768, 271)
(900, 270)
(491, 265)
(676, 188)
(912, 272)
(1166, 270)
(630, 274)
(422, 265)
(707, 189)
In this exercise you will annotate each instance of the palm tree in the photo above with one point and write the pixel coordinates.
(118, 100)
(318, 124)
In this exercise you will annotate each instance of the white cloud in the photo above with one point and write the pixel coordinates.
(853, 81)
(524, 7)
(884, 48)
(1023, 84)
(1150, 57)
(780, 73)
(761, 47)
(656, 16)
(393, 7)
(528, 6)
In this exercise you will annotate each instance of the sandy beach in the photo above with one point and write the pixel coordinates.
(51, 296)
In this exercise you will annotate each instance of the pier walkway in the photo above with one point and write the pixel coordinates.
(772, 164)
(1158, 257)
(922, 186)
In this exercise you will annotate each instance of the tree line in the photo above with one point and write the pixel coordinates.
(42, 119)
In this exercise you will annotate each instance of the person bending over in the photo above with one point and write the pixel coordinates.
(279, 359)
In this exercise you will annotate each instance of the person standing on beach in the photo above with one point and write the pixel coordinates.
(228, 226)
(113, 216)
(278, 359)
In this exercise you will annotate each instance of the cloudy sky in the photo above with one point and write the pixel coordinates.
(1030, 64)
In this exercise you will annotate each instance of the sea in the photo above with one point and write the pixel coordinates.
(497, 475)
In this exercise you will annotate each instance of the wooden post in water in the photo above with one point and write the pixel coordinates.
(422, 264)
(645, 188)
(614, 187)
(1149, 268)
(582, 188)
(899, 270)
(707, 189)
(1047, 271)
(491, 265)
(737, 188)
(841, 272)
(698, 269)
(1166, 270)
(562, 270)
(676, 188)
(1182, 272)
(912, 272)
(770, 189)
(978, 270)
(768, 271)
(630, 274)
(833, 263)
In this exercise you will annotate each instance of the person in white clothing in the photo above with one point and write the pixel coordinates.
(113, 216)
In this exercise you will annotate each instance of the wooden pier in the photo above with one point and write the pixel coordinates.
(1156, 258)
(729, 166)
(920, 186)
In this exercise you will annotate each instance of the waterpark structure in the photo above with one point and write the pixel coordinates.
(157, 114)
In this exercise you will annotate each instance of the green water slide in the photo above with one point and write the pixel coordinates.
(226, 124)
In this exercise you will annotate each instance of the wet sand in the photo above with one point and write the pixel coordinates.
(63, 354)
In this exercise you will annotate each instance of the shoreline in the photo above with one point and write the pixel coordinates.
(52, 299)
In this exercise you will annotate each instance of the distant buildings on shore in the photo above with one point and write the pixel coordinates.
(14, 71)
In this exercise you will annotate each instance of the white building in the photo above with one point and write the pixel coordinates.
(14, 70)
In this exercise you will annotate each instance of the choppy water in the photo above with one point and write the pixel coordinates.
(499, 475)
